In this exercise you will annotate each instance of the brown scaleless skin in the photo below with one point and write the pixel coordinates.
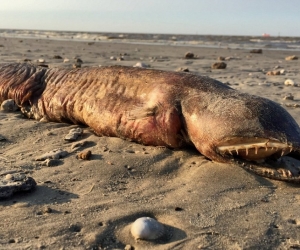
(157, 108)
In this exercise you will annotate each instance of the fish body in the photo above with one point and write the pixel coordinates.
(156, 108)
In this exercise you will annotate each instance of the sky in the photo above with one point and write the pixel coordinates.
(203, 17)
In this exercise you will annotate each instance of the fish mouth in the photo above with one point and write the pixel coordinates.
(253, 149)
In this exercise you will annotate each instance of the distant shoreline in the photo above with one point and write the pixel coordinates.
(206, 41)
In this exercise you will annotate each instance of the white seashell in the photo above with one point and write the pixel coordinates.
(41, 60)
(66, 60)
(141, 65)
(146, 228)
(289, 82)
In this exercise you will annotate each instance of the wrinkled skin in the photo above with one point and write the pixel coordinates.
(155, 108)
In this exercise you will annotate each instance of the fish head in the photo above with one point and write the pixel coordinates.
(237, 125)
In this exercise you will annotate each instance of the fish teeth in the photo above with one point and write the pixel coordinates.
(285, 172)
(267, 145)
(248, 150)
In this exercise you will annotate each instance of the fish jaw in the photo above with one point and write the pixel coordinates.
(253, 149)
(224, 125)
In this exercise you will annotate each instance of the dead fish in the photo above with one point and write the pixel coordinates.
(154, 107)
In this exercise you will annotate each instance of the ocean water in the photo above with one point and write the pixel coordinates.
(212, 41)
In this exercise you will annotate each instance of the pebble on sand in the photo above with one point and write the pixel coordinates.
(273, 73)
(78, 60)
(219, 65)
(9, 105)
(182, 70)
(189, 55)
(73, 134)
(76, 65)
(288, 97)
(51, 162)
(57, 57)
(256, 51)
(85, 155)
(15, 182)
(292, 105)
(289, 58)
(53, 154)
(79, 144)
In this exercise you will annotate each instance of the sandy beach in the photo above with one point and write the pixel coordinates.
(80, 204)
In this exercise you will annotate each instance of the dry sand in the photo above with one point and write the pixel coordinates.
(91, 204)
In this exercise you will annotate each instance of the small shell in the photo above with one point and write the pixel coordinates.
(141, 65)
(289, 82)
(146, 228)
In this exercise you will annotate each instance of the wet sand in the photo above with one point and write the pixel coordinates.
(90, 204)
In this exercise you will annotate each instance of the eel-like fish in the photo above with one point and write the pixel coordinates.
(157, 108)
